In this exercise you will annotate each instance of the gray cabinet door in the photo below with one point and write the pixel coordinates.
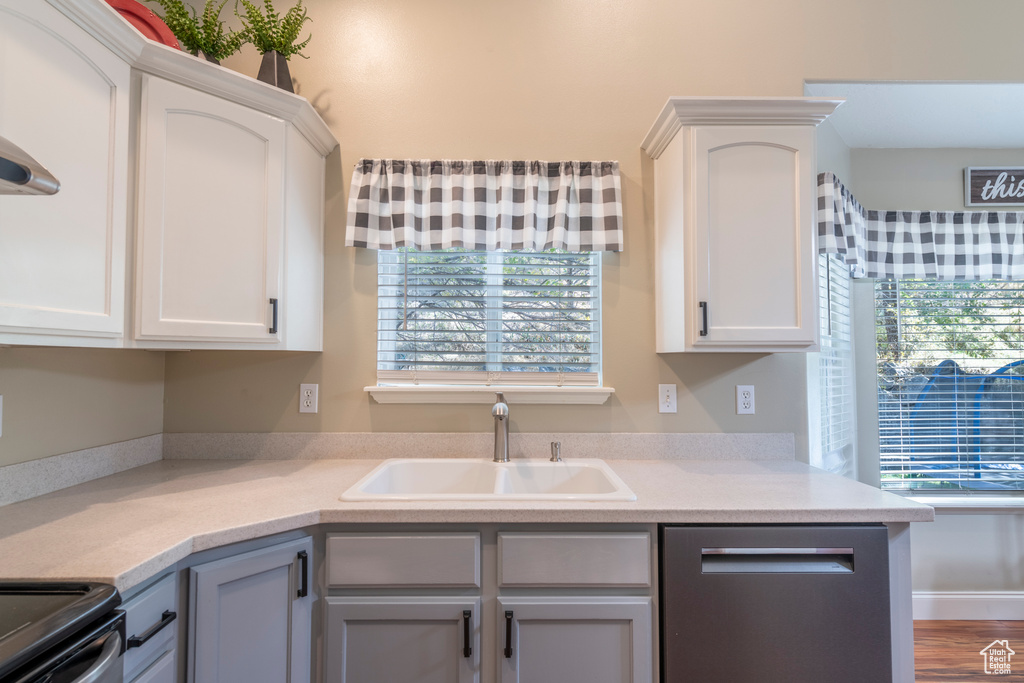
(559, 639)
(402, 640)
(248, 623)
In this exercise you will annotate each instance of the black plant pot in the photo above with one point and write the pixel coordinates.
(274, 70)
(203, 55)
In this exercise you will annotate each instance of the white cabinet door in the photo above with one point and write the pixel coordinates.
(64, 100)
(558, 639)
(754, 262)
(210, 218)
(251, 617)
(402, 640)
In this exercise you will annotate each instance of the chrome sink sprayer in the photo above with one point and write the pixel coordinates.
(500, 413)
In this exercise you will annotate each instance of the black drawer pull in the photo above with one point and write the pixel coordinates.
(137, 641)
(704, 318)
(508, 634)
(467, 650)
(273, 324)
(304, 571)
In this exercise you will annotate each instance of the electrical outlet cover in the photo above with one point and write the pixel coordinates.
(308, 398)
(744, 399)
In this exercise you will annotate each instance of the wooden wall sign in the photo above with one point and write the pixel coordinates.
(993, 186)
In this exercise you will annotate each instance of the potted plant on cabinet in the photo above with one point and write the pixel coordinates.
(205, 34)
(275, 36)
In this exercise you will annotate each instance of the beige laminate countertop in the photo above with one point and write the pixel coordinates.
(129, 526)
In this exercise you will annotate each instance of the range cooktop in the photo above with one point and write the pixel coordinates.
(36, 616)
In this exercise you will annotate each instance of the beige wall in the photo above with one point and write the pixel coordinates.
(561, 79)
(968, 552)
(61, 400)
(921, 179)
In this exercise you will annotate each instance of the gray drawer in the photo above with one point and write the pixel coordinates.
(143, 614)
(574, 559)
(398, 560)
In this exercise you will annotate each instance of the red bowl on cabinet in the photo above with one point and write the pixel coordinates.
(145, 21)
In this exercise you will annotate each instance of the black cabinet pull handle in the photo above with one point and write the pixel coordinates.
(467, 650)
(304, 572)
(508, 634)
(273, 323)
(137, 641)
(704, 318)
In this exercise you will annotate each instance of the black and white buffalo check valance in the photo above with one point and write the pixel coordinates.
(485, 205)
(936, 245)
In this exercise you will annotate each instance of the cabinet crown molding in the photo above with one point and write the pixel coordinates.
(734, 111)
(108, 27)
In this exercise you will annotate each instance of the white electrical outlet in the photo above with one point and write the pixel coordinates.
(308, 394)
(666, 398)
(744, 399)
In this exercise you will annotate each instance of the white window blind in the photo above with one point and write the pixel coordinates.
(951, 385)
(459, 316)
(835, 365)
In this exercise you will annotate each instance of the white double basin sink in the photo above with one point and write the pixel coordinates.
(417, 479)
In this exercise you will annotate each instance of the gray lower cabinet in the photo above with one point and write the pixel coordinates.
(251, 615)
(556, 639)
(403, 640)
(560, 607)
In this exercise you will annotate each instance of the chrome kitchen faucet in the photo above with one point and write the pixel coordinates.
(500, 413)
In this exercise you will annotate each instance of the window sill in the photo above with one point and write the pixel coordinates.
(433, 393)
(972, 504)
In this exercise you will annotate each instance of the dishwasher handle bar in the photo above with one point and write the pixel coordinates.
(776, 561)
(776, 551)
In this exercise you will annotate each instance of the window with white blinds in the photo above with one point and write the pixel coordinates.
(951, 385)
(835, 365)
(488, 317)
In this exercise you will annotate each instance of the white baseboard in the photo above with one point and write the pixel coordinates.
(995, 605)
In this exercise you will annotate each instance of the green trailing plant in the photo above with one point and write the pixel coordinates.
(268, 30)
(204, 33)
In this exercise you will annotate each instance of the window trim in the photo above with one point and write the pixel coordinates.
(450, 393)
(967, 502)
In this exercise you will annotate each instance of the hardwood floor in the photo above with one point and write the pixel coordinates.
(948, 651)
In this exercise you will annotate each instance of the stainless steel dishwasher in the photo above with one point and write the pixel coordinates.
(767, 604)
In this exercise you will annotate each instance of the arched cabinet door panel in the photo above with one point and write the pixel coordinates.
(753, 236)
(210, 218)
(64, 99)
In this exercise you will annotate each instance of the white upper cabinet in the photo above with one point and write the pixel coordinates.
(735, 238)
(216, 240)
(229, 232)
(210, 217)
(64, 100)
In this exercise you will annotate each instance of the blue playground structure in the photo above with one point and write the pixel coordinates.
(957, 431)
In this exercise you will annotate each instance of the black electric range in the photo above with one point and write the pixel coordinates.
(46, 625)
